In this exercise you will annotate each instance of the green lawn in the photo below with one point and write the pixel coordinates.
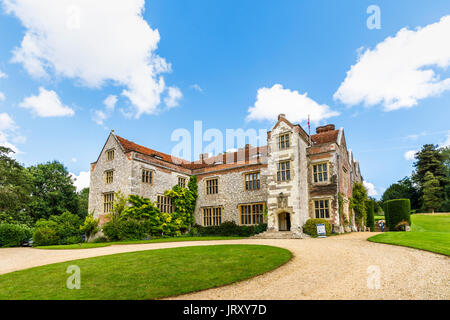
(143, 275)
(89, 245)
(428, 232)
(378, 218)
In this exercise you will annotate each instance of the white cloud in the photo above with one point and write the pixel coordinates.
(82, 180)
(101, 115)
(93, 42)
(2, 96)
(173, 96)
(110, 102)
(410, 155)
(196, 87)
(446, 143)
(47, 104)
(74, 160)
(3, 75)
(401, 70)
(7, 127)
(371, 191)
(270, 102)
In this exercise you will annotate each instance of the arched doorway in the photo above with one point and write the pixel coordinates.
(284, 221)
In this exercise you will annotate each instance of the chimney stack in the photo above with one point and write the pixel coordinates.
(328, 127)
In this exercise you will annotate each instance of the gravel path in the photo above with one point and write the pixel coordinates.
(331, 268)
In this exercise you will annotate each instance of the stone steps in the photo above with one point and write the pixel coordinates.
(280, 235)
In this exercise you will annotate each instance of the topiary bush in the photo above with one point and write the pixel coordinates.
(13, 235)
(396, 211)
(370, 221)
(310, 227)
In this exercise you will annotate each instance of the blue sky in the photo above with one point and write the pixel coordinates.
(213, 61)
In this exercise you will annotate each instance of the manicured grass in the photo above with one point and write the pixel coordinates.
(428, 232)
(143, 275)
(89, 245)
(378, 218)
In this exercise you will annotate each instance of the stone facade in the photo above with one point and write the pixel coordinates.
(289, 203)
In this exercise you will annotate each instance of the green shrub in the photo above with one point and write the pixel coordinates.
(63, 229)
(111, 230)
(310, 226)
(90, 226)
(101, 239)
(131, 229)
(396, 211)
(229, 228)
(370, 222)
(13, 235)
(45, 236)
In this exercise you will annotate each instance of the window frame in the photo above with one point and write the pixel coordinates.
(149, 176)
(326, 208)
(322, 173)
(184, 184)
(254, 213)
(284, 173)
(108, 205)
(284, 141)
(214, 216)
(107, 178)
(209, 189)
(108, 153)
(255, 183)
(167, 203)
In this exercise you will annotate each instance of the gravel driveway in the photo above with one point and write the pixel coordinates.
(331, 268)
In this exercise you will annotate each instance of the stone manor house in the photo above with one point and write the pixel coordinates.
(295, 177)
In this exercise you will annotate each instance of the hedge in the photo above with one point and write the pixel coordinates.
(370, 215)
(397, 211)
(228, 228)
(14, 235)
(310, 226)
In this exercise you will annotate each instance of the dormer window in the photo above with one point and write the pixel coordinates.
(110, 155)
(283, 141)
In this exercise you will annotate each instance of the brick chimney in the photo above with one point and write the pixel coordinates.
(328, 127)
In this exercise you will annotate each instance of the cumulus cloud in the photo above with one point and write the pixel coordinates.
(410, 155)
(7, 131)
(100, 116)
(82, 180)
(270, 102)
(93, 42)
(173, 96)
(401, 70)
(371, 191)
(47, 104)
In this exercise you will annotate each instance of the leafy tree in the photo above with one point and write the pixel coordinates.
(14, 189)
(53, 192)
(430, 159)
(358, 203)
(403, 189)
(83, 203)
(446, 156)
(431, 192)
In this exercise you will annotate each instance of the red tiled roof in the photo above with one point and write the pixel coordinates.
(228, 159)
(131, 146)
(325, 137)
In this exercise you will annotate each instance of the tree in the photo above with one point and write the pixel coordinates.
(14, 189)
(446, 156)
(358, 203)
(403, 189)
(430, 159)
(53, 192)
(431, 192)
(83, 203)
